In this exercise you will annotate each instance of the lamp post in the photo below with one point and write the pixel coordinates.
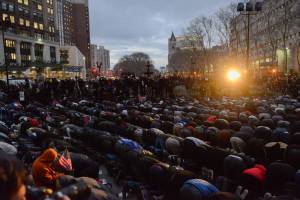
(99, 66)
(248, 10)
(4, 24)
(148, 72)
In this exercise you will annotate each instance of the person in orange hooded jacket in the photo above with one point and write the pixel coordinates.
(43, 171)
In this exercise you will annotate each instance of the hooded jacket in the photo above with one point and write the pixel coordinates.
(43, 174)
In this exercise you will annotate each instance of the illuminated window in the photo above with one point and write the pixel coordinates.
(27, 23)
(50, 2)
(12, 19)
(50, 11)
(41, 26)
(35, 25)
(21, 21)
(13, 56)
(26, 2)
(39, 7)
(10, 43)
(20, 1)
(4, 16)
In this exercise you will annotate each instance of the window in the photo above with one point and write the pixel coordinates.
(13, 56)
(11, 8)
(35, 25)
(4, 16)
(41, 26)
(39, 7)
(12, 19)
(27, 23)
(4, 6)
(50, 11)
(50, 2)
(10, 43)
(25, 2)
(21, 20)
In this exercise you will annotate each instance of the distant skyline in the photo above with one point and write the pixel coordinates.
(128, 26)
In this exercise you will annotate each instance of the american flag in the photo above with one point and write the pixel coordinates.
(65, 161)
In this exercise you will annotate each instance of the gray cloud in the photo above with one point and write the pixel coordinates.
(126, 26)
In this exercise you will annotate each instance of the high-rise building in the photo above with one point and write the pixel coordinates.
(74, 26)
(100, 55)
(31, 36)
(274, 37)
(81, 31)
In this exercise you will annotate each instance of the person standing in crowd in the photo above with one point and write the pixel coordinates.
(43, 172)
(12, 178)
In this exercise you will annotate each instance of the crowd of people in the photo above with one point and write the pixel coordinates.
(156, 145)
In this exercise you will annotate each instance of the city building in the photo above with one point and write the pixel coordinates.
(74, 62)
(74, 26)
(100, 56)
(182, 53)
(274, 37)
(30, 36)
(81, 28)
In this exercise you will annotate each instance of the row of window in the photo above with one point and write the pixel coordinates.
(50, 11)
(11, 18)
(7, 7)
(24, 22)
(38, 26)
(25, 2)
(50, 2)
(26, 46)
(51, 29)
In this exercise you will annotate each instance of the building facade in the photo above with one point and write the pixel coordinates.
(274, 37)
(74, 26)
(31, 36)
(74, 62)
(100, 55)
(182, 53)
(81, 28)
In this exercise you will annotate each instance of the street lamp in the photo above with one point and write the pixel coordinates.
(99, 66)
(4, 24)
(148, 72)
(233, 75)
(248, 10)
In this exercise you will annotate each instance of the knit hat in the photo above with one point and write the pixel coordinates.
(233, 167)
(197, 189)
(254, 178)
(238, 144)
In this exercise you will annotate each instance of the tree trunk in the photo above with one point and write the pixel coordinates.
(286, 60)
(298, 58)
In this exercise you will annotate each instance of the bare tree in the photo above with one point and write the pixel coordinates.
(272, 33)
(284, 26)
(200, 31)
(224, 24)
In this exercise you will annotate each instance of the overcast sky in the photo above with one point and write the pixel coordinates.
(127, 26)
